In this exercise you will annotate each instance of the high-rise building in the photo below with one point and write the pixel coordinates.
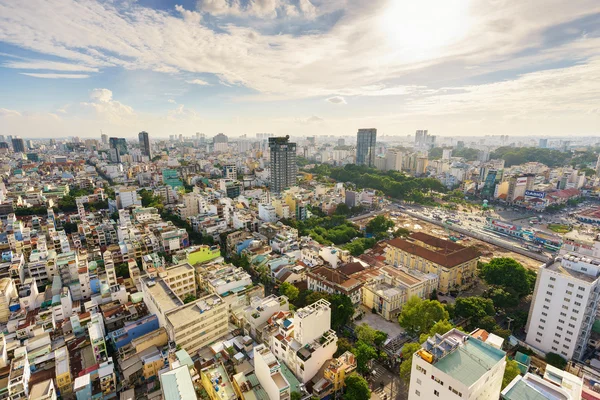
(565, 299)
(365, 147)
(393, 160)
(104, 138)
(283, 163)
(144, 139)
(341, 142)
(456, 366)
(543, 144)
(220, 138)
(18, 145)
(118, 148)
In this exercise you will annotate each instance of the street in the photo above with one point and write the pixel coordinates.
(393, 388)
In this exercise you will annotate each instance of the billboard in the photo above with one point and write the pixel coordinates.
(535, 193)
(521, 181)
(504, 225)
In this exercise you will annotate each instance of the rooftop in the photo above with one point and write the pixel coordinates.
(193, 311)
(556, 266)
(177, 384)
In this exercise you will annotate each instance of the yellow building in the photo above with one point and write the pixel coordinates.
(156, 338)
(454, 264)
(334, 375)
(181, 279)
(217, 384)
(152, 361)
(203, 254)
(62, 365)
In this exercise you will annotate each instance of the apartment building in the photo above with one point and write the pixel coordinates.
(199, 323)
(565, 300)
(456, 366)
(333, 281)
(268, 372)
(8, 292)
(305, 341)
(454, 264)
(259, 311)
(62, 366)
(334, 375)
(555, 384)
(181, 279)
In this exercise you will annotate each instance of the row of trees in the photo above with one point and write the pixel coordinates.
(520, 155)
(326, 230)
(392, 183)
(467, 153)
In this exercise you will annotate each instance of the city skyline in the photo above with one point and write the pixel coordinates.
(304, 67)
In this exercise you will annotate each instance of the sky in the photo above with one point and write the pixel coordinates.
(299, 67)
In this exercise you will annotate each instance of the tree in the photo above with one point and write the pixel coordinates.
(508, 273)
(379, 224)
(380, 338)
(342, 209)
(418, 316)
(296, 396)
(401, 232)
(439, 327)
(365, 333)
(343, 345)
(360, 245)
(288, 290)
(357, 388)
(504, 298)
(556, 360)
(487, 323)
(510, 372)
(189, 298)
(122, 270)
(70, 227)
(407, 354)
(364, 353)
(316, 296)
(474, 307)
(342, 310)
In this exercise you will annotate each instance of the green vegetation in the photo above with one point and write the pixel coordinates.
(364, 353)
(440, 327)
(343, 345)
(474, 307)
(520, 155)
(392, 183)
(343, 209)
(69, 227)
(503, 298)
(408, 351)
(357, 388)
(151, 200)
(512, 370)
(288, 290)
(189, 298)
(508, 274)
(26, 211)
(556, 360)
(467, 153)
(379, 226)
(122, 270)
(419, 316)
(559, 228)
(360, 245)
(326, 230)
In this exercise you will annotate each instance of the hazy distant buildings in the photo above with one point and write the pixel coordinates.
(365, 147)
(543, 144)
(424, 139)
(283, 163)
(144, 139)
(18, 145)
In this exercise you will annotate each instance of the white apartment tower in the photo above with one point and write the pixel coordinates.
(268, 373)
(565, 300)
(456, 366)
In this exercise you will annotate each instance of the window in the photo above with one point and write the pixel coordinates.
(418, 381)
(551, 286)
(436, 393)
(549, 293)
(563, 353)
(538, 340)
(567, 340)
(544, 314)
(577, 304)
(547, 300)
(552, 278)
(556, 341)
(567, 299)
(575, 311)
(581, 288)
(546, 307)
(580, 296)
(543, 321)
(571, 326)
(569, 292)
(541, 327)
(417, 393)
(557, 335)
(559, 328)
(539, 333)
(569, 333)
(563, 314)
(554, 348)
(570, 285)
(565, 307)
(562, 321)
(574, 318)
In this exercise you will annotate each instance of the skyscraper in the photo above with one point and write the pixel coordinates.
(104, 138)
(543, 143)
(144, 139)
(283, 163)
(118, 147)
(365, 147)
(18, 145)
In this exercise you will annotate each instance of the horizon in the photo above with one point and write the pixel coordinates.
(466, 68)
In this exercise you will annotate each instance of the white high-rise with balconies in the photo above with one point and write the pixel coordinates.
(565, 299)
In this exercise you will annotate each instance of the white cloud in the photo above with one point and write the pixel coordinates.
(112, 110)
(172, 101)
(50, 65)
(268, 9)
(9, 113)
(55, 76)
(336, 100)
(198, 82)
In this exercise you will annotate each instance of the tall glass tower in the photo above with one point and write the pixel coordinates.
(283, 163)
(365, 147)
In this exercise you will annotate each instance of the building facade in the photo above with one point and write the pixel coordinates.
(283, 164)
(365, 147)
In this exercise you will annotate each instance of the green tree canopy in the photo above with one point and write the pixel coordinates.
(379, 224)
(504, 298)
(343, 345)
(508, 273)
(474, 307)
(556, 360)
(407, 354)
(288, 290)
(365, 333)
(360, 245)
(418, 316)
(296, 396)
(380, 338)
(357, 388)
(364, 353)
(510, 372)
(342, 310)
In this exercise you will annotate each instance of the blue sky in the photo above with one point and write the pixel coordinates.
(299, 67)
